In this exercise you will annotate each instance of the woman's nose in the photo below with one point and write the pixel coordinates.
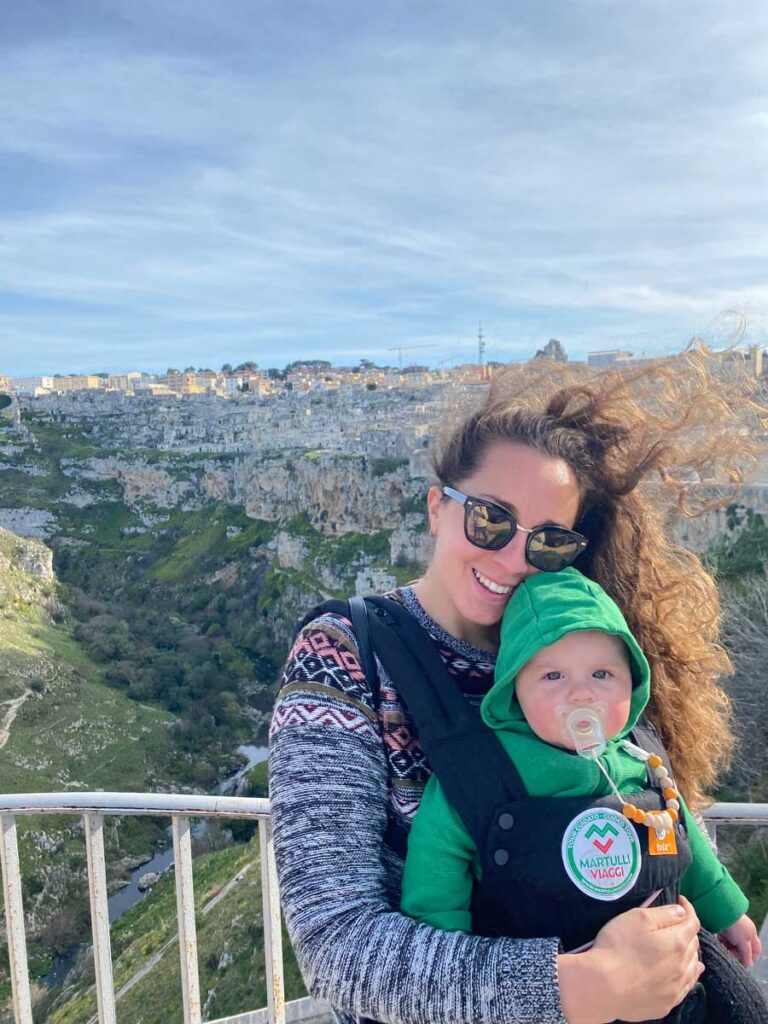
(512, 557)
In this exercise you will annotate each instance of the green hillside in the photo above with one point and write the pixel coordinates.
(146, 953)
(63, 729)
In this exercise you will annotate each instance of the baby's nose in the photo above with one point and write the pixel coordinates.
(583, 690)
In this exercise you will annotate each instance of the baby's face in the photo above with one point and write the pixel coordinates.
(580, 669)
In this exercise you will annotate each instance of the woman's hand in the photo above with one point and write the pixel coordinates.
(643, 963)
(742, 940)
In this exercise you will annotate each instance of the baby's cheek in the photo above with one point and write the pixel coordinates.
(618, 716)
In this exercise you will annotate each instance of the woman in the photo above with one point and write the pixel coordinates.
(347, 770)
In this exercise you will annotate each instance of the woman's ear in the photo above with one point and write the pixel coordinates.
(434, 506)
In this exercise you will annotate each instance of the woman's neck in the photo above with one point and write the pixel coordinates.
(433, 600)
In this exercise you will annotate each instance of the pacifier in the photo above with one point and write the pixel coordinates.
(583, 727)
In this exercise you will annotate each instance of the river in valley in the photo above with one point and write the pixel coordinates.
(122, 900)
(125, 898)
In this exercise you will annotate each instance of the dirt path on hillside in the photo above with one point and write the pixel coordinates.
(155, 959)
(10, 715)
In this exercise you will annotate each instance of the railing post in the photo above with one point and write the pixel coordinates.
(97, 888)
(185, 910)
(273, 934)
(14, 919)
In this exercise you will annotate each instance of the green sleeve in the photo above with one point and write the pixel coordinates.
(716, 898)
(438, 876)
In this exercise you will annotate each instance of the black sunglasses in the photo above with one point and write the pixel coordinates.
(490, 526)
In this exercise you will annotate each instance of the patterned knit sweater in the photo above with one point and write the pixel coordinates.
(341, 771)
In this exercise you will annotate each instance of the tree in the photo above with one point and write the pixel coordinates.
(171, 371)
(553, 351)
(226, 368)
(309, 364)
(364, 366)
(247, 365)
(189, 369)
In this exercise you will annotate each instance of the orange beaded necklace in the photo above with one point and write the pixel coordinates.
(661, 821)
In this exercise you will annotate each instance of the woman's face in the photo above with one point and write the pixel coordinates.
(470, 586)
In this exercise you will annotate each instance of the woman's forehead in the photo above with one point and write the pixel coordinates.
(536, 486)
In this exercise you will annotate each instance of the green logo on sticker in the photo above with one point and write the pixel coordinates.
(607, 867)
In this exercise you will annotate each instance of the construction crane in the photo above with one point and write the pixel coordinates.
(405, 348)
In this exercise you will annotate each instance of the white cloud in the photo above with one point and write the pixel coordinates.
(587, 169)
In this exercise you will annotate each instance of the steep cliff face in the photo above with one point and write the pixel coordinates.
(28, 602)
(139, 482)
(339, 493)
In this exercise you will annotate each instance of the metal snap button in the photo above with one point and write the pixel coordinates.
(506, 821)
(501, 857)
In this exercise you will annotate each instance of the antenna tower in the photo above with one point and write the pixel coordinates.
(480, 345)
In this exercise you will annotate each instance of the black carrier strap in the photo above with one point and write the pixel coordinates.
(463, 752)
(358, 614)
(644, 735)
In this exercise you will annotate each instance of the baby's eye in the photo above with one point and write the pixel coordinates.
(601, 673)
(554, 675)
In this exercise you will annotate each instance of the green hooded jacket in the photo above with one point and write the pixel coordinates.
(442, 860)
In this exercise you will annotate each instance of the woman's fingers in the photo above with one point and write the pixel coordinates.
(658, 952)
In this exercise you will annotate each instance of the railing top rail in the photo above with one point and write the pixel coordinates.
(736, 813)
(161, 804)
(165, 804)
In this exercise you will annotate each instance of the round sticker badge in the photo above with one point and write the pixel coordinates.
(601, 853)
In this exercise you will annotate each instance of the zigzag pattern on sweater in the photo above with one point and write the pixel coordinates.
(325, 658)
(301, 712)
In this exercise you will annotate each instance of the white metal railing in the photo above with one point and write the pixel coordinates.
(94, 807)
(734, 814)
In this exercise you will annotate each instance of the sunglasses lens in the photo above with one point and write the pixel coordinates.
(552, 549)
(489, 527)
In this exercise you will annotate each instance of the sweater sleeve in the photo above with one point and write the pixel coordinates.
(329, 792)
(438, 876)
(715, 896)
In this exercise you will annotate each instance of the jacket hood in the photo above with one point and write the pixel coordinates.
(544, 608)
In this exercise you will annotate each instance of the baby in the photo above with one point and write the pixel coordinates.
(587, 821)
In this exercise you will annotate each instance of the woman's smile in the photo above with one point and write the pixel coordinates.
(501, 590)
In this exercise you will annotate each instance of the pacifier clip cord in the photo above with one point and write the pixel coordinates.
(661, 821)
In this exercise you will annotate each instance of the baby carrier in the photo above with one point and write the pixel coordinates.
(524, 889)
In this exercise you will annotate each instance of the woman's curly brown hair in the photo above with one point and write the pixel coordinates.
(640, 443)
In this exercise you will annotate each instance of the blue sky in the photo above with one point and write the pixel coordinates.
(189, 183)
